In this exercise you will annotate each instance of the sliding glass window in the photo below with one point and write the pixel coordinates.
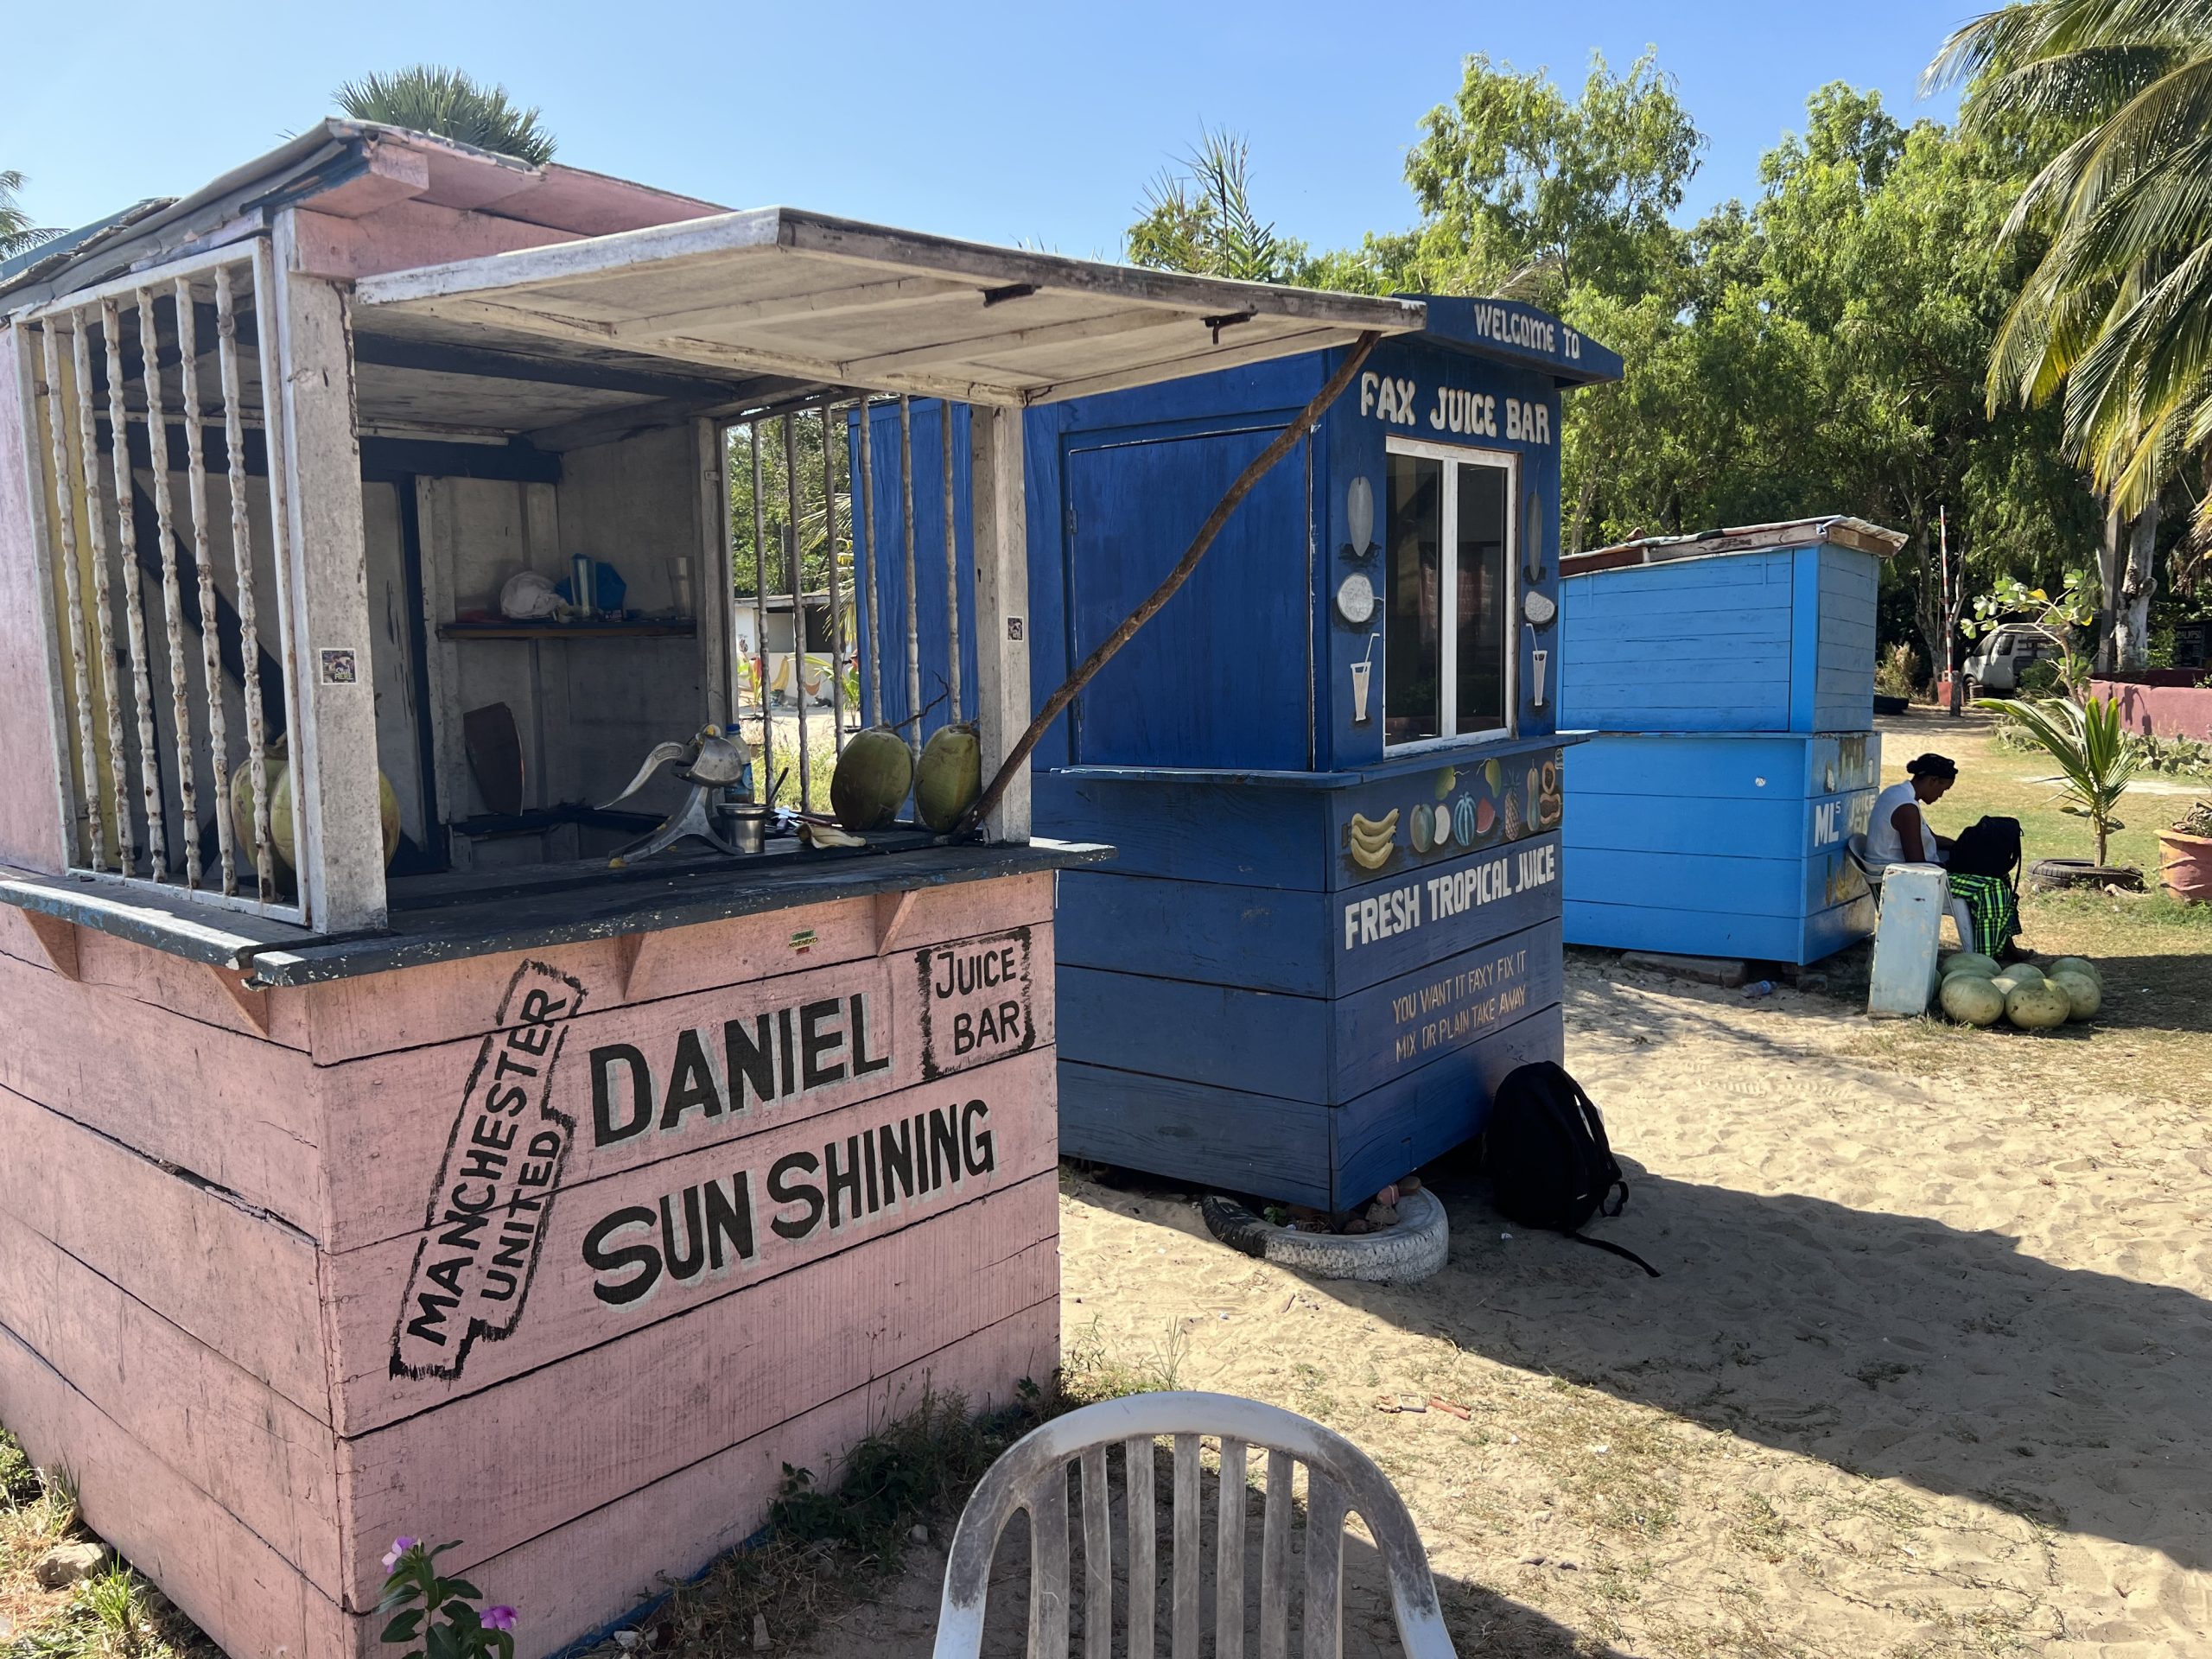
(1447, 594)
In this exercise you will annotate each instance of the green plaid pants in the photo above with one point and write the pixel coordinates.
(1992, 907)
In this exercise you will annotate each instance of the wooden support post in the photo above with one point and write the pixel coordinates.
(714, 596)
(65, 496)
(906, 541)
(766, 775)
(951, 568)
(339, 839)
(134, 605)
(836, 609)
(203, 570)
(103, 611)
(187, 801)
(1001, 606)
(234, 479)
(795, 562)
(864, 543)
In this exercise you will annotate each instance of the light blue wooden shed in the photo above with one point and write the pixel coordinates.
(1729, 678)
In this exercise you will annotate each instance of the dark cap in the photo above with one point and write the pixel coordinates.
(1932, 765)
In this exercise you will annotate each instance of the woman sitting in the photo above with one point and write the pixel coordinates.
(1983, 907)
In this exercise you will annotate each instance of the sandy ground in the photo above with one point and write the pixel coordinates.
(1929, 1372)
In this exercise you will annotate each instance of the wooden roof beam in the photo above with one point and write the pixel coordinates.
(834, 302)
(1003, 342)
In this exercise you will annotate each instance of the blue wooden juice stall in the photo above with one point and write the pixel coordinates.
(1728, 679)
(1330, 766)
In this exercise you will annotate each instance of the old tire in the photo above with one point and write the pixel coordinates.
(1403, 1255)
(2050, 874)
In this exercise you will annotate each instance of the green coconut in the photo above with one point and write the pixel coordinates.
(872, 778)
(2083, 995)
(276, 768)
(1973, 1000)
(1971, 961)
(2037, 1005)
(2081, 966)
(952, 777)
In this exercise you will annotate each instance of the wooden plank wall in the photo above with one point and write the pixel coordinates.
(533, 1252)
(1244, 1002)
(1718, 843)
(1694, 646)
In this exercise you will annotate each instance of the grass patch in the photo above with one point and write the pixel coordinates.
(837, 1540)
(114, 1614)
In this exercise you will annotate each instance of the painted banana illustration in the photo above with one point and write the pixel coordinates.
(1372, 843)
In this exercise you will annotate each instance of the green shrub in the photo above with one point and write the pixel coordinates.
(2178, 756)
(1897, 674)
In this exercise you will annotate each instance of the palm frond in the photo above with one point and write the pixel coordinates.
(430, 98)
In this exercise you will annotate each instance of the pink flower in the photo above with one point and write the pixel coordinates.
(399, 1547)
(498, 1618)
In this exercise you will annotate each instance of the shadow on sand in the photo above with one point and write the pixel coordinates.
(1966, 1367)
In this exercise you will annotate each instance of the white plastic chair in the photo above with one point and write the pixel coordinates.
(1032, 1475)
(1854, 848)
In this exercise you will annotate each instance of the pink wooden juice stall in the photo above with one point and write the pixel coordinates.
(472, 1188)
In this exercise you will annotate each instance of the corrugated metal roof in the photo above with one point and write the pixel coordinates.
(1839, 527)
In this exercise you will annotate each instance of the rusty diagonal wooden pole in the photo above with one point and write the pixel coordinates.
(1261, 464)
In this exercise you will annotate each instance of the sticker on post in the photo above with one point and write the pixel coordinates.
(341, 668)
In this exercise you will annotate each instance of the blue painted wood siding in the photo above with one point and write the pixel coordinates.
(1718, 844)
(1776, 640)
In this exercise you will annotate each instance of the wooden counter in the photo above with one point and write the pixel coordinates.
(556, 1224)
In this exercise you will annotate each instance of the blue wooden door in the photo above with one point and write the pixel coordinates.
(1223, 676)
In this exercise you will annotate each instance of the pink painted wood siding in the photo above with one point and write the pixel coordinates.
(212, 1244)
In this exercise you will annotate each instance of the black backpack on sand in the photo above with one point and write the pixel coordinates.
(1987, 847)
(1549, 1164)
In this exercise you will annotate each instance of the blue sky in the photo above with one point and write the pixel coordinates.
(996, 121)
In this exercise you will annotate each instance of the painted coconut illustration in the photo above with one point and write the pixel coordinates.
(1462, 821)
(1420, 830)
(1443, 835)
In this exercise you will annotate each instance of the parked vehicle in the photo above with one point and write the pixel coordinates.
(2003, 654)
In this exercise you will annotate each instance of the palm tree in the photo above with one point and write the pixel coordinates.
(2118, 315)
(1201, 220)
(18, 233)
(430, 99)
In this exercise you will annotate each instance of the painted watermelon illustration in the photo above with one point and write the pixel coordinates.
(1462, 821)
(1485, 815)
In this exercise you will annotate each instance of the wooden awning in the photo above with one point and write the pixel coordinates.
(775, 291)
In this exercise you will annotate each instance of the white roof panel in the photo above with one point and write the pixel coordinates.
(780, 292)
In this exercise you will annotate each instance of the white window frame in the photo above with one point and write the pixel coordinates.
(1447, 667)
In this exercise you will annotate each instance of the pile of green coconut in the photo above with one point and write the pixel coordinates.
(1978, 990)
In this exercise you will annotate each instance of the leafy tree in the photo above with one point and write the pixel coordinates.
(806, 434)
(428, 97)
(1521, 187)
(2114, 323)
(18, 233)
